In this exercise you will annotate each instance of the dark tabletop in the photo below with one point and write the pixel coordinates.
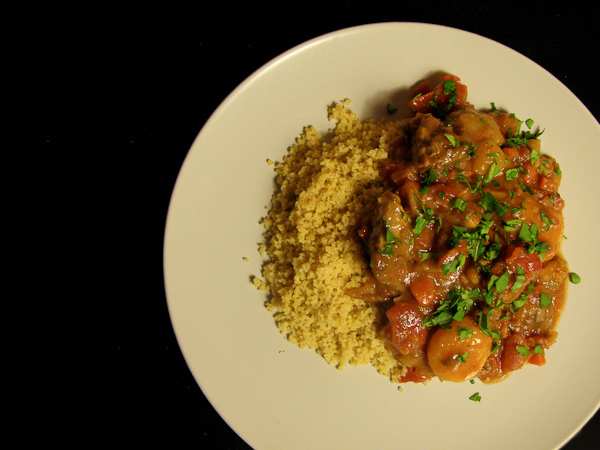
(139, 84)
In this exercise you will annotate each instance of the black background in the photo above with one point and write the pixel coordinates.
(119, 94)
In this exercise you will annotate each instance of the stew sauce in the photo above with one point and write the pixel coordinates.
(464, 248)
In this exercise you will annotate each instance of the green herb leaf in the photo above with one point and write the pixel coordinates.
(462, 358)
(429, 179)
(502, 282)
(475, 397)
(544, 300)
(494, 170)
(457, 304)
(511, 174)
(458, 203)
(574, 278)
(420, 224)
(464, 333)
(452, 139)
(491, 204)
(387, 250)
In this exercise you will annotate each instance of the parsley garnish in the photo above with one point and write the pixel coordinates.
(574, 278)
(475, 397)
(462, 358)
(529, 235)
(511, 174)
(452, 139)
(452, 266)
(544, 300)
(494, 170)
(520, 138)
(458, 203)
(523, 351)
(449, 88)
(390, 240)
(546, 220)
(420, 225)
(427, 217)
(519, 280)
(464, 333)
(477, 240)
(490, 203)
(456, 305)
(430, 178)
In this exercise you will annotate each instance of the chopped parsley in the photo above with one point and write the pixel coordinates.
(475, 397)
(464, 333)
(458, 203)
(529, 235)
(511, 174)
(521, 138)
(462, 358)
(449, 88)
(390, 240)
(452, 139)
(494, 170)
(427, 217)
(544, 300)
(457, 304)
(453, 266)
(478, 239)
(491, 203)
(519, 280)
(429, 178)
(574, 278)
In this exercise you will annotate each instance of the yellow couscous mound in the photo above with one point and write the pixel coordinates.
(325, 188)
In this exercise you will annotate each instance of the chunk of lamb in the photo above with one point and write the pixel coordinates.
(441, 145)
(390, 245)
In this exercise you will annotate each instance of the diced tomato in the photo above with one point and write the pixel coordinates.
(451, 255)
(421, 103)
(422, 88)
(423, 288)
(547, 185)
(537, 359)
(406, 329)
(449, 191)
(518, 256)
(510, 152)
(530, 176)
(511, 358)
(412, 374)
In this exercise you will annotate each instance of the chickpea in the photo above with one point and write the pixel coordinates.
(455, 356)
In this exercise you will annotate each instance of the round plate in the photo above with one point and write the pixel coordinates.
(275, 395)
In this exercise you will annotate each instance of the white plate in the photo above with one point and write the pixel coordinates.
(275, 395)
